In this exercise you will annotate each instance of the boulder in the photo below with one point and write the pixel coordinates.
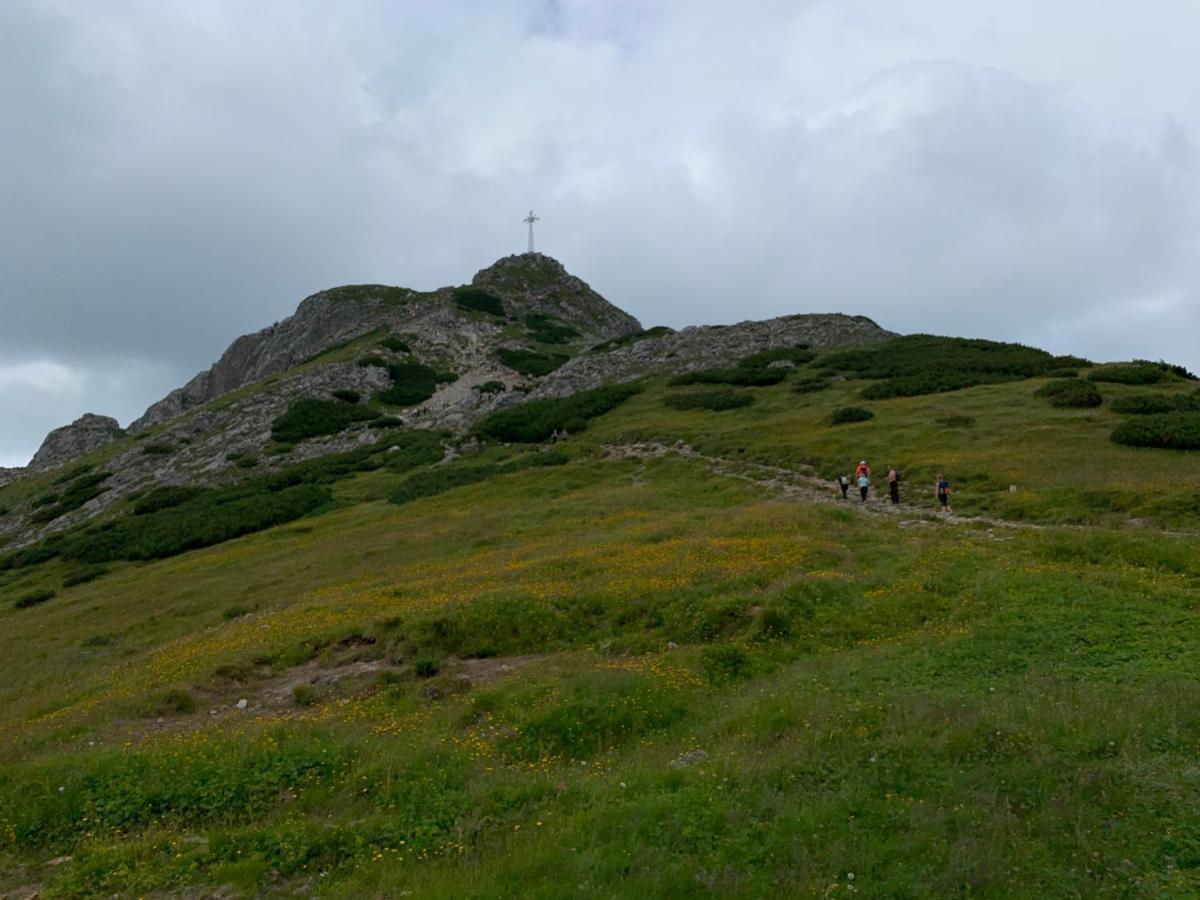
(87, 433)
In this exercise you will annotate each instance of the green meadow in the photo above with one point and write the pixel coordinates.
(668, 662)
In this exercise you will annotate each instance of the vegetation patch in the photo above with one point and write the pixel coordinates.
(797, 356)
(1070, 393)
(74, 472)
(165, 497)
(372, 359)
(412, 383)
(34, 598)
(395, 344)
(548, 330)
(1153, 404)
(413, 449)
(811, 385)
(475, 299)
(716, 401)
(1140, 371)
(309, 417)
(1171, 431)
(531, 362)
(490, 387)
(740, 377)
(85, 487)
(629, 339)
(158, 449)
(346, 395)
(83, 575)
(357, 293)
(844, 414)
(446, 478)
(536, 420)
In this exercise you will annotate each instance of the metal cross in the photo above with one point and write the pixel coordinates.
(530, 219)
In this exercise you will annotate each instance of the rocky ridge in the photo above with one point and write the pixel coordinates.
(218, 427)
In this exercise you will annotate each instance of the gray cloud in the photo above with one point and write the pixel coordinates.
(176, 175)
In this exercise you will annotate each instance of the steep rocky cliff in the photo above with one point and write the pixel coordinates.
(87, 433)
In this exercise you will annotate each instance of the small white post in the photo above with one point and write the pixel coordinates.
(530, 219)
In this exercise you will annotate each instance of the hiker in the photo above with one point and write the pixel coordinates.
(893, 485)
(562, 435)
(943, 493)
(864, 485)
(554, 436)
(863, 469)
(844, 483)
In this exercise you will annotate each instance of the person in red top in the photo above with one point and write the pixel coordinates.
(863, 469)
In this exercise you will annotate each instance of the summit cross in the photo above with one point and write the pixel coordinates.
(530, 219)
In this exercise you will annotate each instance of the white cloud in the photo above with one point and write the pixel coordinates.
(176, 175)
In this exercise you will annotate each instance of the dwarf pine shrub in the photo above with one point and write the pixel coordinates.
(845, 414)
(1153, 404)
(740, 377)
(1171, 431)
(531, 362)
(797, 356)
(395, 344)
(309, 417)
(536, 420)
(1131, 373)
(347, 395)
(548, 330)
(34, 598)
(475, 299)
(1070, 393)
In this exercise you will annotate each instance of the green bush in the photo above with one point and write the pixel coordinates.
(413, 449)
(33, 599)
(811, 384)
(247, 461)
(536, 420)
(1070, 393)
(165, 497)
(176, 702)
(926, 354)
(446, 478)
(412, 383)
(83, 575)
(476, 299)
(630, 339)
(531, 362)
(844, 414)
(427, 667)
(723, 663)
(158, 449)
(1171, 431)
(548, 330)
(372, 359)
(797, 356)
(347, 395)
(739, 376)
(78, 492)
(712, 400)
(45, 500)
(393, 343)
(74, 472)
(304, 694)
(490, 387)
(309, 417)
(1131, 373)
(1152, 404)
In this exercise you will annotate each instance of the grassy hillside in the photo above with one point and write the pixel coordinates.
(644, 673)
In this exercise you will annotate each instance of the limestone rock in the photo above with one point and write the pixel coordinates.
(87, 433)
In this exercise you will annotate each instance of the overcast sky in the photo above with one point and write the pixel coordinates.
(175, 174)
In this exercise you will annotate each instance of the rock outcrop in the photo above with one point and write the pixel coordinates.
(87, 433)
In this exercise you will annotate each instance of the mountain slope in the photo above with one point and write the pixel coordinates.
(672, 665)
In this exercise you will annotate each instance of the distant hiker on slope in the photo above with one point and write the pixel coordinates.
(943, 493)
(864, 485)
(893, 485)
(863, 469)
(844, 484)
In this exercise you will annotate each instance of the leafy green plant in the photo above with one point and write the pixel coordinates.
(844, 414)
(536, 420)
(1070, 393)
(712, 400)
(531, 362)
(475, 299)
(309, 417)
(247, 461)
(722, 663)
(1171, 431)
(304, 694)
(427, 667)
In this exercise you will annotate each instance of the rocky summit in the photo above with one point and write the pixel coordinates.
(383, 358)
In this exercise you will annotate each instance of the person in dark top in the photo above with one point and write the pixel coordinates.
(893, 484)
(943, 493)
(844, 484)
